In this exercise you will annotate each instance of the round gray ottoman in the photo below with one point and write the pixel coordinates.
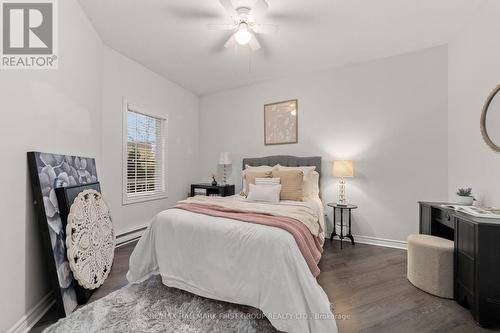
(430, 264)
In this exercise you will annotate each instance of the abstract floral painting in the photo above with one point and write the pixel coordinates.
(280, 123)
(50, 171)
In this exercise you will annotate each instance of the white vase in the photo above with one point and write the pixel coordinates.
(466, 201)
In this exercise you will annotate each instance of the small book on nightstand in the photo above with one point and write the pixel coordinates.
(200, 191)
(212, 190)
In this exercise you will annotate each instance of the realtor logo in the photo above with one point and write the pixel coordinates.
(28, 34)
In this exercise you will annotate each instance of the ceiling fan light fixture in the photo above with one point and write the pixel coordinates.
(243, 36)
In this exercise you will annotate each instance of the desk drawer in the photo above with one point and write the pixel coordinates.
(437, 214)
(443, 216)
(448, 220)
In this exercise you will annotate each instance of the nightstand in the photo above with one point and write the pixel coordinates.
(211, 190)
(334, 233)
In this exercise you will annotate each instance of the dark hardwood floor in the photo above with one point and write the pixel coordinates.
(367, 286)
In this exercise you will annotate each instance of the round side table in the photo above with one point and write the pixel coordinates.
(349, 207)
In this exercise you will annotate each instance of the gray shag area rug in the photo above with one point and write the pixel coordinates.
(153, 307)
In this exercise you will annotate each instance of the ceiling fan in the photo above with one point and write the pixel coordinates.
(244, 24)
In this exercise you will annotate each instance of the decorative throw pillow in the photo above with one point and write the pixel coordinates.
(267, 181)
(250, 176)
(267, 193)
(291, 184)
(311, 185)
(249, 168)
(309, 178)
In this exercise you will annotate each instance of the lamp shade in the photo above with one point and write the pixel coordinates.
(225, 158)
(343, 169)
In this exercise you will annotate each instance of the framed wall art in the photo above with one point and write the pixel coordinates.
(280, 123)
(48, 172)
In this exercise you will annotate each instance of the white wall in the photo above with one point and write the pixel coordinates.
(389, 116)
(125, 78)
(54, 111)
(77, 110)
(474, 70)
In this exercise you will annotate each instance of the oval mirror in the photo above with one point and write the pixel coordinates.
(490, 120)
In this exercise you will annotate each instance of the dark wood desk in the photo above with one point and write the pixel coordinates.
(477, 258)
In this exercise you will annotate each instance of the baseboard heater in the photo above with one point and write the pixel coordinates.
(130, 236)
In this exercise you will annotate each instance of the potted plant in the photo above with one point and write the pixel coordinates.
(465, 197)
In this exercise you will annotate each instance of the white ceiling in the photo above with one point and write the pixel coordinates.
(171, 37)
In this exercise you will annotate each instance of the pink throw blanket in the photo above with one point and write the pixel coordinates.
(309, 245)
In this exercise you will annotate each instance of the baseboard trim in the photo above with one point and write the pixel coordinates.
(130, 235)
(370, 240)
(396, 244)
(33, 315)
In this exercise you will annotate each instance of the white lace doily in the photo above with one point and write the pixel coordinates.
(90, 239)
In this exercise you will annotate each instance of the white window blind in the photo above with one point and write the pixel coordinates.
(145, 151)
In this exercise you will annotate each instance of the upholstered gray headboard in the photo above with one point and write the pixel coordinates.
(284, 161)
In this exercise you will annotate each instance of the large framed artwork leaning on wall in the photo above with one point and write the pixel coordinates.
(48, 172)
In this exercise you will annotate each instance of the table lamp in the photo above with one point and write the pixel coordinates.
(342, 169)
(225, 160)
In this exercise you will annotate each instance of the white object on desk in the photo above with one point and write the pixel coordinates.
(485, 212)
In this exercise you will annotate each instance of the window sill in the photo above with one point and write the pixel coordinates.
(130, 201)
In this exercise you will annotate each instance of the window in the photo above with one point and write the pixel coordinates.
(144, 159)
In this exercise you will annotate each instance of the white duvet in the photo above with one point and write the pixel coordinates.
(237, 262)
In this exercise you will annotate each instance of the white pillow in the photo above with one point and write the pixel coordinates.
(267, 193)
(311, 185)
(267, 181)
(253, 168)
(305, 169)
(258, 168)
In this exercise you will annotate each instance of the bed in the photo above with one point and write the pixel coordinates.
(234, 261)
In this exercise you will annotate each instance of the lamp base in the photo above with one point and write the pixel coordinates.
(224, 180)
(342, 200)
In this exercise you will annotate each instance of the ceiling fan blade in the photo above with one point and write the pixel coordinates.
(265, 28)
(228, 6)
(259, 7)
(254, 43)
(231, 42)
(221, 27)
